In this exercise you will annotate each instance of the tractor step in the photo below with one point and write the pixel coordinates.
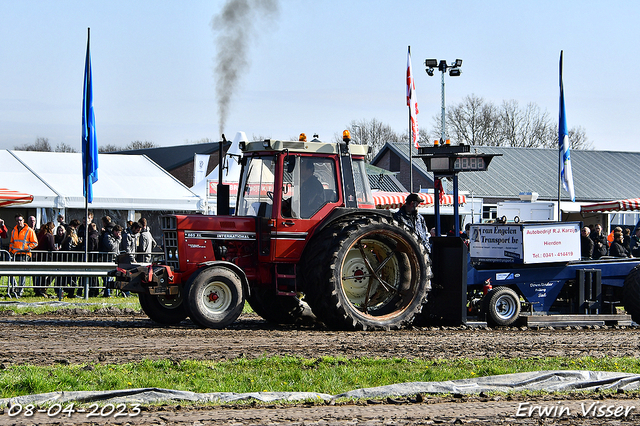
(576, 320)
(285, 279)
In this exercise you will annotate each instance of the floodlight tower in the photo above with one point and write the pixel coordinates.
(454, 71)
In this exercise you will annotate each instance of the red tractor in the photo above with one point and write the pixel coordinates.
(305, 227)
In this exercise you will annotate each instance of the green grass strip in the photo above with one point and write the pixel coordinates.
(39, 305)
(330, 375)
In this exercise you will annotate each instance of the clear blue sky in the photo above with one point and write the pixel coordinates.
(314, 68)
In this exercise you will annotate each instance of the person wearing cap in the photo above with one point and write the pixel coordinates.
(409, 217)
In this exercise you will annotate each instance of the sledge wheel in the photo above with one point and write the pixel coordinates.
(501, 306)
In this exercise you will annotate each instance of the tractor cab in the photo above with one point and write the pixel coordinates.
(295, 185)
(301, 180)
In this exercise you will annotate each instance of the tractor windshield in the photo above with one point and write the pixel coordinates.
(256, 195)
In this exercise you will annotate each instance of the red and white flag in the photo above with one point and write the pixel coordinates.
(412, 101)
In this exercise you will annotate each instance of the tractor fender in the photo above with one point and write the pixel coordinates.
(235, 268)
(341, 213)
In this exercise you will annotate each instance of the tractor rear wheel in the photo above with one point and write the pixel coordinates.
(163, 309)
(501, 306)
(215, 297)
(367, 273)
(631, 294)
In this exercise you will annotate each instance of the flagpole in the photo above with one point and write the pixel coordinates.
(89, 150)
(410, 140)
(565, 174)
(559, 184)
(86, 204)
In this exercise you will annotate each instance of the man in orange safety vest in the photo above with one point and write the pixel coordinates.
(23, 240)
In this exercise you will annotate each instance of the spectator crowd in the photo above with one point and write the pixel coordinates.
(595, 243)
(68, 242)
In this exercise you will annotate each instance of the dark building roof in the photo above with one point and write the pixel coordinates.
(401, 150)
(597, 175)
(383, 180)
(172, 157)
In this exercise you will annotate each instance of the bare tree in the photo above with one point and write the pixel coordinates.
(108, 148)
(41, 144)
(133, 145)
(472, 122)
(63, 147)
(370, 132)
(140, 145)
(260, 138)
(524, 128)
(423, 137)
(477, 122)
(203, 140)
(578, 138)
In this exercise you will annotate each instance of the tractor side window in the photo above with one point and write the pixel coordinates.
(361, 180)
(308, 184)
(256, 197)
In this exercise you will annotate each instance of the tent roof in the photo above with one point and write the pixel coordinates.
(126, 182)
(18, 177)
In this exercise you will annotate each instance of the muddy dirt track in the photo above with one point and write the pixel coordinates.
(114, 336)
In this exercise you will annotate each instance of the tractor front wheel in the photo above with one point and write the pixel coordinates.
(215, 297)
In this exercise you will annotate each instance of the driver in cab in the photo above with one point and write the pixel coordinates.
(311, 190)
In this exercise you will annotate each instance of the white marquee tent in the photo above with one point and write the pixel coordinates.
(125, 182)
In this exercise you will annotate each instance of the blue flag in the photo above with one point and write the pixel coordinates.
(563, 139)
(89, 144)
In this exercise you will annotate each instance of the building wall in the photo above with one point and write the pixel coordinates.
(387, 160)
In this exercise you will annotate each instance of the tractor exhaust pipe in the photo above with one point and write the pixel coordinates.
(222, 200)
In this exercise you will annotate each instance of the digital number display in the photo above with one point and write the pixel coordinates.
(470, 164)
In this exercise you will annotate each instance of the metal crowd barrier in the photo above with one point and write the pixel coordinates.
(60, 270)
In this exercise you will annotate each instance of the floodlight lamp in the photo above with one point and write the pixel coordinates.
(454, 72)
(430, 72)
(458, 62)
(431, 63)
(442, 66)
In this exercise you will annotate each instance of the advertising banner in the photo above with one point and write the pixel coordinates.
(496, 243)
(557, 242)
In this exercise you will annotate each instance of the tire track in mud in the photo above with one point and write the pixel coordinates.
(49, 339)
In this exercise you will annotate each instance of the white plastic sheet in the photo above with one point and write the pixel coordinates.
(551, 381)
